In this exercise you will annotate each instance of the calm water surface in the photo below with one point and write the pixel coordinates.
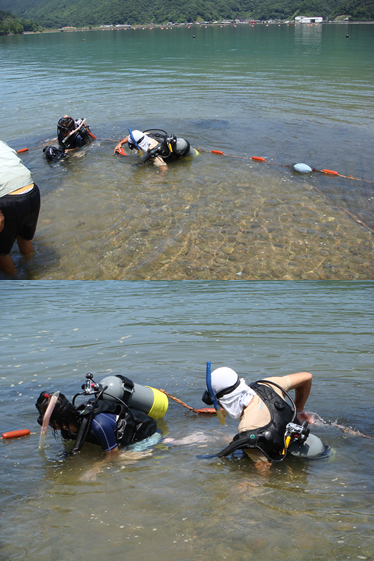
(289, 94)
(171, 504)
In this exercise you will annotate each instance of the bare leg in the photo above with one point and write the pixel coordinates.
(25, 246)
(7, 265)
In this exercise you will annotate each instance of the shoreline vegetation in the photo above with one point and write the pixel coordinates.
(124, 27)
(77, 15)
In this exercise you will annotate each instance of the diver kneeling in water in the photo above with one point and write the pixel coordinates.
(71, 135)
(107, 420)
(158, 146)
(269, 427)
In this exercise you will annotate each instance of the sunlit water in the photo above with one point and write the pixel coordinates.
(286, 93)
(171, 504)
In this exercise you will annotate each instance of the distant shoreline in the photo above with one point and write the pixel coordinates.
(188, 26)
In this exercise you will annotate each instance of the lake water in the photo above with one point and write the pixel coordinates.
(171, 504)
(290, 94)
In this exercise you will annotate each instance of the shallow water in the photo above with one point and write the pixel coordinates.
(289, 94)
(172, 504)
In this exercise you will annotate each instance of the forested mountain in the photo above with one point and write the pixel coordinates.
(79, 13)
(10, 24)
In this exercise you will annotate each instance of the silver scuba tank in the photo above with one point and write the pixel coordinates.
(183, 148)
(144, 398)
(310, 448)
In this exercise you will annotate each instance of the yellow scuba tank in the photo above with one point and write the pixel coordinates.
(144, 398)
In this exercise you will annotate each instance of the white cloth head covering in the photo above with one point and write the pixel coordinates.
(140, 136)
(235, 401)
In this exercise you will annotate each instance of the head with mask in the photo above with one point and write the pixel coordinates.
(64, 417)
(138, 140)
(232, 392)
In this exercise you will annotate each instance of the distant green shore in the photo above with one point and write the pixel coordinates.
(159, 26)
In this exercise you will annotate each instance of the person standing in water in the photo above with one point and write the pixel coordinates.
(19, 207)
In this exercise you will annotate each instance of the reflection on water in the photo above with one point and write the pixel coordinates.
(175, 503)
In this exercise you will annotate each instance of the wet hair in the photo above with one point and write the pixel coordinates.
(66, 124)
(63, 413)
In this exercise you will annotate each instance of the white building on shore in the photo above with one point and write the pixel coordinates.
(304, 19)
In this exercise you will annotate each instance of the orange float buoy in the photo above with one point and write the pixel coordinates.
(22, 150)
(258, 159)
(121, 152)
(330, 172)
(217, 152)
(15, 433)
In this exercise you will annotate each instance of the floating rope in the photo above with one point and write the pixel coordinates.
(351, 431)
(203, 411)
(259, 159)
(325, 171)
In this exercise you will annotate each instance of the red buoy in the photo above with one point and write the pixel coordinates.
(330, 172)
(15, 433)
(217, 152)
(22, 150)
(258, 159)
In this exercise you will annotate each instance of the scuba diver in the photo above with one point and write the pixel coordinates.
(117, 414)
(269, 427)
(71, 135)
(156, 145)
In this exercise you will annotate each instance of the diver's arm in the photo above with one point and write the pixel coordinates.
(160, 163)
(110, 456)
(301, 382)
(126, 457)
(121, 143)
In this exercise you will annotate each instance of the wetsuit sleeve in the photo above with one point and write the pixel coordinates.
(104, 428)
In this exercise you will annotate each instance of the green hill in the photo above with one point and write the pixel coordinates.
(10, 24)
(80, 13)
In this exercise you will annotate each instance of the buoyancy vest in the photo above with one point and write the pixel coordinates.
(269, 439)
(132, 425)
(166, 148)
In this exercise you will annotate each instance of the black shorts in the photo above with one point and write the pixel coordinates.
(20, 218)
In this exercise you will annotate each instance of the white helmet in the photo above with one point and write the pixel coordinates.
(223, 378)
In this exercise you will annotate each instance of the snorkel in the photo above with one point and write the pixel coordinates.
(47, 416)
(212, 394)
(140, 153)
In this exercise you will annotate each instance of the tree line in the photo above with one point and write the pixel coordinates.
(86, 13)
(12, 25)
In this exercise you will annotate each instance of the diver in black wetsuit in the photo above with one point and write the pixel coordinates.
(71, 135)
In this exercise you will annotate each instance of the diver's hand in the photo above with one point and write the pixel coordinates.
(305, 416)
(90, 475)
